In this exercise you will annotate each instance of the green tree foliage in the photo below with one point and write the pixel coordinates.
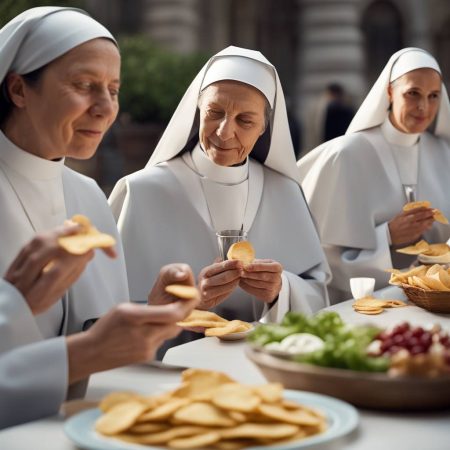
(11, 8)
(153, 79)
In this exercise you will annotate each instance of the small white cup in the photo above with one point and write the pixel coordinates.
(362, 287)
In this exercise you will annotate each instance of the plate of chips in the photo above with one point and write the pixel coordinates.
(209, 410)
(426, 286)
(428, 253)
(217, 326)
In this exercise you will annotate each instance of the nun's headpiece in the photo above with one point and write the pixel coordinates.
(374, 109)
(245, 66)
(39, 35)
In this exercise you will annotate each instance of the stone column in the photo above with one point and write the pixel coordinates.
(330, 50)
(173, 23)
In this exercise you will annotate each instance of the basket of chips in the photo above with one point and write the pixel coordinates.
(431, 300)
(425, 286)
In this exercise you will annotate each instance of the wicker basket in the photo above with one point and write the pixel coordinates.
(434, 301)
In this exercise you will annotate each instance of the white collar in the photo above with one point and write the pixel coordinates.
(27, 164)
(214, 172)
(397, 137)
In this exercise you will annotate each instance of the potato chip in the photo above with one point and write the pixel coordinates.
(437, 213)
(163, 411)
(260, 431)
(243, 251)
(270, 392)
(182, 291)
(120, 417)
(437, 250)
(414, 205)
(165, 436)
(370, 312)
(416, 249)
(202, 413)
(418, 282)
(439, 216)
(394, 303)
(199, 384)
(114, 398)
(434, 284)
(235, 397)
(214, 324)
(444, 276)
(233, 326)
(143, 428)
(296, 417)
(200, 440)
(87, 239)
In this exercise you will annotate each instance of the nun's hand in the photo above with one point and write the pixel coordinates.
(43, 270)
(127, 334)
(262, 279)
(170, 274)
(217, 281)
(409, 226)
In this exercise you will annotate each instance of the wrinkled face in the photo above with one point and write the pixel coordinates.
(415, 99)
(69, 109)
(231, 121)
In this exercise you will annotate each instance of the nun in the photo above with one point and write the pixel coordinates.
(60, 75)
(226, 162)
(396, 150)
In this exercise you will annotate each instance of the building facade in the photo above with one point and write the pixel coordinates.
(311, 42)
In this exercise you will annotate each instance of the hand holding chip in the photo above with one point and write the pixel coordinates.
(262, 279)
(170, 274)
(409, 225)
(217, 281)
(129, 333)
(43, 270)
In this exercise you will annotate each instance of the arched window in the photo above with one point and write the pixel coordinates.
(383, 35)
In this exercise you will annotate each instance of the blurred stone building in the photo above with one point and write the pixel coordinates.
(311, 42)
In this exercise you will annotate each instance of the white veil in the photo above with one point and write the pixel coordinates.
(280, 156)
(374, 108)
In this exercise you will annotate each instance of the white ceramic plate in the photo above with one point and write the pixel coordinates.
(236, 336)
(342, 418)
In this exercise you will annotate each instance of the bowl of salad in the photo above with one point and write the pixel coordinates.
(404, 368)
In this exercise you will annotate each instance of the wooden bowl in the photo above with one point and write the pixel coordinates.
(363, 389)
(434, 301)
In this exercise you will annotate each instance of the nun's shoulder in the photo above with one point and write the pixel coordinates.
(432, 141)
(81, 183)
(148, 176)
(338, 150)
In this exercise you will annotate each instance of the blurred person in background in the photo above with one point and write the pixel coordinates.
(396, 150)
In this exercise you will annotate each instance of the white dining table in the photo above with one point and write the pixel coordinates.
(376, 430)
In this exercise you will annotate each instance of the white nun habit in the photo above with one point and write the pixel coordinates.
(37, 195)
(355, 184)
(171, 210)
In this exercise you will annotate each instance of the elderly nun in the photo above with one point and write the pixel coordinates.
(396, 150)
(226, 162)
(59, 74)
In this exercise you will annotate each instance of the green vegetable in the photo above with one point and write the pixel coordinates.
(345, 345)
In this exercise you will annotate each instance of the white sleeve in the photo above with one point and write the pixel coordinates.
(306, 293)
(17, 324)
(33, 381)
(352, 262)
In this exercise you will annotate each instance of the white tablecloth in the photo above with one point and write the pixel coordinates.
(377, 430)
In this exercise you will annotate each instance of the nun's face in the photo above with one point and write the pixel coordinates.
(415, 99)
(71, 106)
(231, 121)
